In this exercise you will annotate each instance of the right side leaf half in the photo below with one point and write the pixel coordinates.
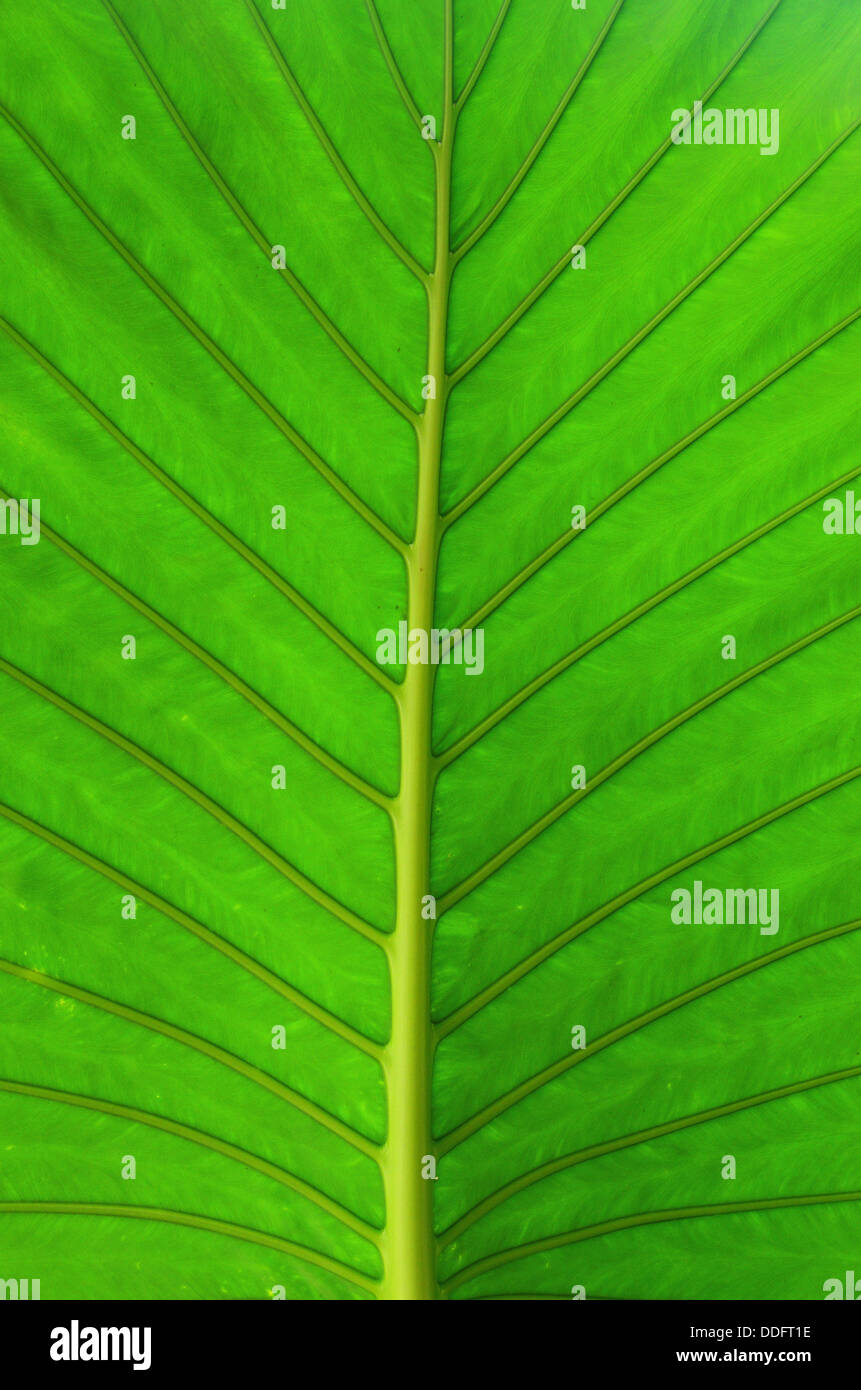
(605, 1167)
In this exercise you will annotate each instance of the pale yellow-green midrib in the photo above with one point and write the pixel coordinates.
(408, 1245)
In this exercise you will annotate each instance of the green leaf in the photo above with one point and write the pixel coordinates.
(236, 1039)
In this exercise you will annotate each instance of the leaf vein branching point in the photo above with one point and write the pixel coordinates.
(481, 60)
(363, 202)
